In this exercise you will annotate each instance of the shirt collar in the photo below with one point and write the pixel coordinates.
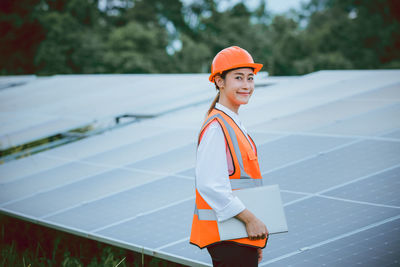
(229, 112)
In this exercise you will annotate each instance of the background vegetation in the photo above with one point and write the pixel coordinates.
(27, 244)
(47, 37)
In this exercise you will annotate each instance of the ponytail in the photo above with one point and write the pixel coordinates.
(216, 99)
(213, 103)
(211, 108)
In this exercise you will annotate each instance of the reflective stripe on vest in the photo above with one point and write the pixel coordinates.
(232, 135)
(245, 182)
(205, 214)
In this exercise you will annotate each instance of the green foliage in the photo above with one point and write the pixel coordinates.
(136, 48)
(193, 57)
(20, 35)
(54, 53)
(364, 33)
(27, 244)
(48, 37)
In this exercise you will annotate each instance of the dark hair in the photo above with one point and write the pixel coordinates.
(216, 99)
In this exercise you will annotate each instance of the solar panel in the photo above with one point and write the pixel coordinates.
(337, 166)
(18, 169)
(120, 206)
(53, 107)
(318, 219)
(330, 139)
(385, 119)
(375, 246)
(78, 193)
(381, 188)
(47, 180)
(53, 101)
(286, 150)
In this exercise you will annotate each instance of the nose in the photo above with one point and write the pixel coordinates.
(247, 84)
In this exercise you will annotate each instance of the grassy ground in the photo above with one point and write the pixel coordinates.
(27, 244)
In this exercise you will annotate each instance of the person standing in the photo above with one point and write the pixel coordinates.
(227, 160)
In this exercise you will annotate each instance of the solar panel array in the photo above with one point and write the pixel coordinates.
(330, 139)
(63, 102)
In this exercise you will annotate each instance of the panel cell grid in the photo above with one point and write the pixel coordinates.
(46, 180)
(378, 246)
(383, 120)
(318, 219)
(382, 188)
(390, 93)
(17, 169)
(80, 192)
(169, 162)
(319, 116)
(127, 204)
(289, 197)
(156, 229)
(337, 167)
(285, 150)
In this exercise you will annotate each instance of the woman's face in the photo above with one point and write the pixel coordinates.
(237, 88)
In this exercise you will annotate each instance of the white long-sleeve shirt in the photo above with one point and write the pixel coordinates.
(212, 170)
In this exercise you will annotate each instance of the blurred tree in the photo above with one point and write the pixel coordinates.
(146, 36)
(223, 29)
(143, 34)
(220, 29)
(287, 46)
(357, 34)
(73, 42)
(21, 34)
(194, 57)
(49, 36)
(136, 48)
(54, 54)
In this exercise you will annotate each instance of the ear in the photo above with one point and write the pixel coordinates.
(219, 81)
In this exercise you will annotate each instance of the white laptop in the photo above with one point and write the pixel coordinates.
(265, 203)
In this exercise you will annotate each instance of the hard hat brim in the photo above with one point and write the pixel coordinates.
(256, 66)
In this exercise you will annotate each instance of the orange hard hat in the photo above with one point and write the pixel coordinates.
(231, 58)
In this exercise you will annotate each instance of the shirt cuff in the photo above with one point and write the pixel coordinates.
(232, 209)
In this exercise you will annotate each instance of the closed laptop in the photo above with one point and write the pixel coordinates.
(265, 203)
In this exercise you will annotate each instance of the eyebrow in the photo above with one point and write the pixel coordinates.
(241, 73)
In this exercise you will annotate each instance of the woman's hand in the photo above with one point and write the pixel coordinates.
(255, 228)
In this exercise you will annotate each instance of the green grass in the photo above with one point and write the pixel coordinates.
(30, 245)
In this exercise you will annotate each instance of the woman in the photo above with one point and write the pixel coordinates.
(227, 160)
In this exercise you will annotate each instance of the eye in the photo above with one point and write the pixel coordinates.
(238, 78)
(251, 78)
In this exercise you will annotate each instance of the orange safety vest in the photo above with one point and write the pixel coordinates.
(246, 173)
